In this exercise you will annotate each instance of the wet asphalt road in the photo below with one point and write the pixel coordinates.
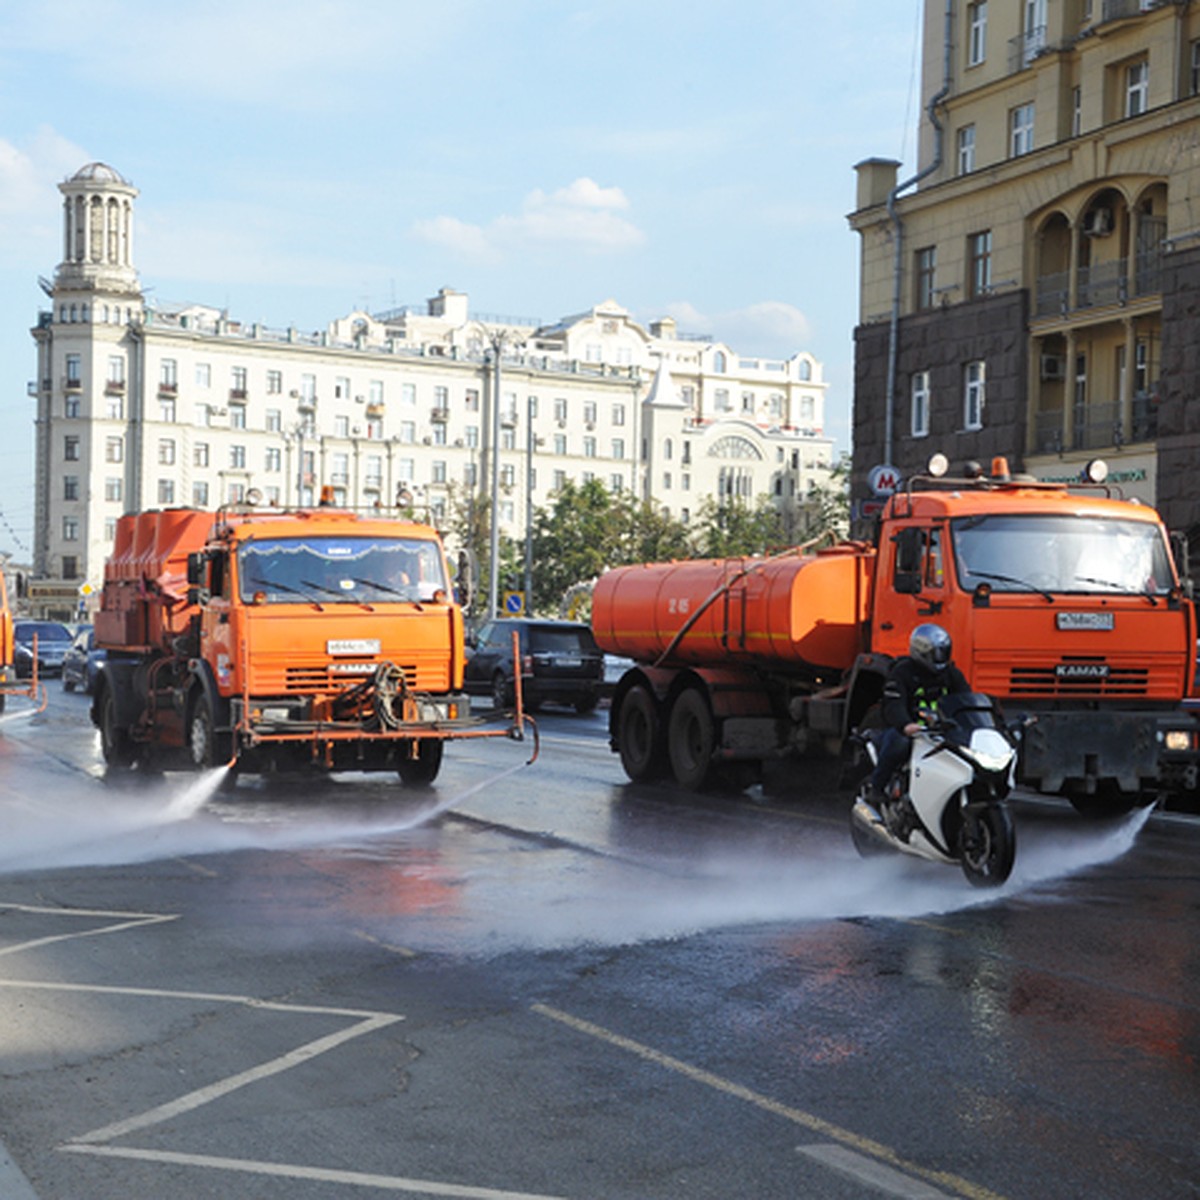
(561, 985)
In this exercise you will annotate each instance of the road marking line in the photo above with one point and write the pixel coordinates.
(392, 1183)
(129, 921)
(866, 1170)
(864, 1145)
(403, 951)
(233, 1083)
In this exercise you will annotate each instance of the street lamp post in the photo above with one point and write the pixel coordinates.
(497, 341)
(529, 445)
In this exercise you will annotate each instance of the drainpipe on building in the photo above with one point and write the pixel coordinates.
(898, 227)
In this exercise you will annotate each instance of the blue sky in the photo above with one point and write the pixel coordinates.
(297, 160)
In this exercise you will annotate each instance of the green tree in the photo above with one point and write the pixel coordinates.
(733, 528)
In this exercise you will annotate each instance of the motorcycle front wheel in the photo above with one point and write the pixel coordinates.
(987, 847)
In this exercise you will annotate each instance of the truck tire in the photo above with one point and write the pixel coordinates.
(422, 770)
(639, 736)
(206, 747)
(691, 740)
(115, 742)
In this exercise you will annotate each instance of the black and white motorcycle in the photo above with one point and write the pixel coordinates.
(948, 802)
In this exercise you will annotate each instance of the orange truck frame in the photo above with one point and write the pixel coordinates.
(1063, 601)
(279, 640)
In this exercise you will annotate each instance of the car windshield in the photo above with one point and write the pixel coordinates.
(46, 631)
(333, 570)
(1083, 555)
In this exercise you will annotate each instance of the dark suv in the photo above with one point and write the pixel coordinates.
(560, 661)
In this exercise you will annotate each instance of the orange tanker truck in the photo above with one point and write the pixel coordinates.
(1063, 601)
(279, 640)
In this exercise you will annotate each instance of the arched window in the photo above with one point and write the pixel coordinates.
(668, 449)
(719, 362)
(805, 370)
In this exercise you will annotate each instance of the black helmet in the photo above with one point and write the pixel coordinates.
(930, 646)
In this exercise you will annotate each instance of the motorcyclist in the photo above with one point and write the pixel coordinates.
(914, 687)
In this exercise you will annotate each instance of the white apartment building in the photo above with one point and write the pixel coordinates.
(143, 406)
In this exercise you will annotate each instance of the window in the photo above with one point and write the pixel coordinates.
(508, 475)
(375, 391)
(70, 487)
(560, 409)
(920, 404)
(274, 420)
(114, 406)
(966, 149)
(70, 529)
(589, 412)
(1195, 71)
(237, 458)
(560, 443)
(1034, 30)
(441, 398)
(375, 427)
(203, 375)
(1137, 88)
(975, 378)
(979, 264)
(71, 406)
(341, 427)
(274, 382)
(721, 400)
(200, 494)
(116, 370)
(341, 388)
(339, 467)
(748, 404)
(472, 400)
(308, 388)
(71, 447)
(237, 383)
(114, 489)
(73, 377)
(408, 432)
(166, 452)
(166, 491)
(200, 454)
(976, 33)
(1076, 111)
(274, 458)
(166, 409)
(203, 415)
(237, 416)
(926, 261)
(1020, 121)
(589, 447)
(70, 568)
(114, 450)
(167, 377)
(618, 448)
(408, 393)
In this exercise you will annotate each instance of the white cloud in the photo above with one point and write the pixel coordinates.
(29, 201)
(582, 216)
(769, 328)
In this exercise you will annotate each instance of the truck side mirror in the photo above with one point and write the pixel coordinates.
(1179, 551)
(910, 549)
(195, 568)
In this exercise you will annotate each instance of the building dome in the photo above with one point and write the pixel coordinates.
(98, 172)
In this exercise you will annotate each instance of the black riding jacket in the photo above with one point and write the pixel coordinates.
(912, 689)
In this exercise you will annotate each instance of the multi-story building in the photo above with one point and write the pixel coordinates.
(1031, 290)
(146, 406)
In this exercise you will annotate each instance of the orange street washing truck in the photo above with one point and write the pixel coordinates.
(1063, 603)
(281, 640)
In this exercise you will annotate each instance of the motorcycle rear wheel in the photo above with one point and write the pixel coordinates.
(987, 847)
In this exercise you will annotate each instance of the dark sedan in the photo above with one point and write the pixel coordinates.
(82, 661)
(53, 641)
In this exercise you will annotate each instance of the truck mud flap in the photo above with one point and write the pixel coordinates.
(1062, 746)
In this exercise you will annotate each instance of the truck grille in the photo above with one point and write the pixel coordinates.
(306, 680)
(1045, 681)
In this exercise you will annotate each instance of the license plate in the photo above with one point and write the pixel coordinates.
(1084, 620)
(569, 662)
(359, 646)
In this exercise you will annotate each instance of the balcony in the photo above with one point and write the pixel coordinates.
(1022, 50)
(114, 387)
(1102, 284)
(238, 395)
(439, 416)
(1117, 10)
(168, 387)
(72, 385)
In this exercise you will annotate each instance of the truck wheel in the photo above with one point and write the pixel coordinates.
(502, 694)
(115, 743)
(691, 739)
(207, 747)
(422, 770)
(639, 736)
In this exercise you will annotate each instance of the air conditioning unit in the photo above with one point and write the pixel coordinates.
(1053, 366)
(220, 412)
(360, 399)
(1098, 223)
(356, 430)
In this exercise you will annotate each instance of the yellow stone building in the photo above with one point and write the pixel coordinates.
(1031, 289)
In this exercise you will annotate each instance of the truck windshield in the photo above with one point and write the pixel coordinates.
(1047, 553)
(332, 570)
